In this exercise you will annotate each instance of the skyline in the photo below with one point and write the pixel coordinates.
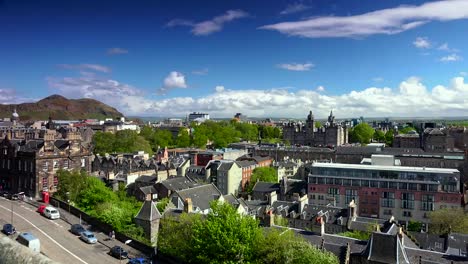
(359, 58)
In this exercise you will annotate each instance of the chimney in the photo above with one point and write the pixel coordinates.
(302, 202)
(188, 206)
(272, 197)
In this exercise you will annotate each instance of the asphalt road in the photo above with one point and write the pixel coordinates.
(57, 242)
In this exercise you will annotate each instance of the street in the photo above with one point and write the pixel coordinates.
(57, 242)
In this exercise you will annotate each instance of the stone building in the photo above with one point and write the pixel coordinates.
(29, 165)
(409, 140)
(437, 140)
(331, 134)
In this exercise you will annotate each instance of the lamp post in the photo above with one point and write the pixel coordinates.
(68, 200)
(126, 243)
(11, 211)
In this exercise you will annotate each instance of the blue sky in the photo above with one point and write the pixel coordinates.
(155, 58)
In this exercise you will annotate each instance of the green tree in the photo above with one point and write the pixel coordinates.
(379, 136)
(70, 183)
(361, 235)
(389, 137)
(414, 226)
(225, 236)
(444, 219)
(318, 124)
(183, 138)
(103, 142)
(362, 133)
(161, 205)
(283, 246)
(406, 130)
(264, 174)
(161, 138)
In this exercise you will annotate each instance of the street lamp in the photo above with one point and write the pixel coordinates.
(68, 200)
(12, 211)
(126, 243)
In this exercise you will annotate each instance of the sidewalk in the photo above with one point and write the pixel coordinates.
(102, 237)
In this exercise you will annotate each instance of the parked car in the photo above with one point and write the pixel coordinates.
(41, 209)
(139, 261)
(8, 229)
(118, 252)
(12, 196)
(77, 229)
(51, 213)
(88, 237)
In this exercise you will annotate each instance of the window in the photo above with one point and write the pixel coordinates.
(374, 184)
(388, 199)
(350, 194)
(335, 193)
(392, 185)
(406, 213)
(427, 202)
(407, 200)
(45, 166)
(403, 186)
(65, 164)
(387, 212)
(55, 164)
(55, 181)
(83, 163)
(346, 182)
(19, 165)
(413, 186)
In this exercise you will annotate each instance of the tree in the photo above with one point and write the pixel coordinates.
(318, 124)
(70, 183)
(225, 236)
(183, 138)
(414, 226)
(161, 139)
(445, 219)
(264, 174)
(103, 142)
(389, 137)
(406, 130)
(283, 246)
(379, 136)
(362, 133)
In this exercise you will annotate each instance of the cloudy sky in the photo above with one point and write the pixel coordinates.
(167, 58)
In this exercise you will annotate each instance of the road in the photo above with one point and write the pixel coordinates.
(56, 241)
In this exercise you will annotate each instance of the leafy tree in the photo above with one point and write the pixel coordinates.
(379, 136)
(264, 174)
(225, 236)
(389, 137)
(444, 219)
(279, 246)
(362, 133)
(183, 138)
(70, 183)
(103, 142)
(406, 130)
(161, 138)
(175, 236)
(161, 205)
(318, 124)
(414, 226)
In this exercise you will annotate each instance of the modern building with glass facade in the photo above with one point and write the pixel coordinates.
(381, 191)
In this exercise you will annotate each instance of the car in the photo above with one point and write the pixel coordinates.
(77, 229)
(51, 213)
(41, 209)
(8, 229)
(12, 196)
(88, 237)
(118, 252)
(139, 261)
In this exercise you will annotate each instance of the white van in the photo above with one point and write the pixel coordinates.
(51, 213)
(30, 241)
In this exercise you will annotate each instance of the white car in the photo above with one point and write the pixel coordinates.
(51, 212)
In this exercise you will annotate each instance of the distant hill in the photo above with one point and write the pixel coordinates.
(61, 108)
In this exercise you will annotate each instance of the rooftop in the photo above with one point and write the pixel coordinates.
(381, 167)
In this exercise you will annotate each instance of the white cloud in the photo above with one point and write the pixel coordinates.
(86, 67)
(445, 47)
(451, 57)
(378, 79)
(173, 80)
(209, 26)
(201, 72)
(294, 8)
(116, 51)
(9, 96)
(386, 21)
(422, 43)
(296, 66)
(409, 99)
(320, 89)
(219, 89)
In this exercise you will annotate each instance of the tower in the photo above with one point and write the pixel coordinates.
(148, 218)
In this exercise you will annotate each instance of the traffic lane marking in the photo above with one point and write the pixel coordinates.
(46, 235)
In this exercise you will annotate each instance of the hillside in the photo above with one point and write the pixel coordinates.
(60, 108)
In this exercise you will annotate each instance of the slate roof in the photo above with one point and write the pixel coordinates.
(385, 248)
(266, 187)
(225, 166)
(148, 212)
(296, 186)
(246, 163)
(148, 190)
(178, 183)
(201, 195)
(147, 179)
